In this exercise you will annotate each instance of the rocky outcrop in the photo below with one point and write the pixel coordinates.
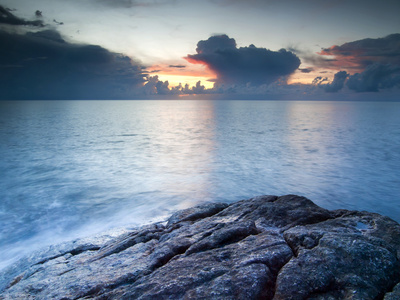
(266, 247)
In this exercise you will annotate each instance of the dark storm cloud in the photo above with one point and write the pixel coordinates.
(245, 65)
(43, 65)
(377, 62)
(6, 17)
(374, 63)
(375, 77)
(362, 53)
(337, 83)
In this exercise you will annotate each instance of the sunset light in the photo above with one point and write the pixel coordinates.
(182, 73)
(175, 80)
(214, 149)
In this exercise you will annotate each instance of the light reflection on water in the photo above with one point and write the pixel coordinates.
(73, 168)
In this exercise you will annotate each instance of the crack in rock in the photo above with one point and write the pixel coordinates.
(128, 240)
(230, 233)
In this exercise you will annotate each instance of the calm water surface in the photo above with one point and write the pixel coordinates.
(75, 168)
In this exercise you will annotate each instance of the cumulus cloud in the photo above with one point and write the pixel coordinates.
(375, 77)
(154, 86)
(337, 83)
(245, 65)
(42, 65)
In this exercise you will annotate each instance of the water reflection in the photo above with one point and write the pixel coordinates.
(314, 139)
(338, 150)
(180, 150)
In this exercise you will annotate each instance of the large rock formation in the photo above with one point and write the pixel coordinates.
(267, 247)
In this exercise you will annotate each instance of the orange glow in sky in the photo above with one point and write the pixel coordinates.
(307, 78)
(174, 80)
(184, 74)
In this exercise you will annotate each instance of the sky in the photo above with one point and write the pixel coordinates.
(214, 49)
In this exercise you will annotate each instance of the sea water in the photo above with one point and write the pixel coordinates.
(69, 169)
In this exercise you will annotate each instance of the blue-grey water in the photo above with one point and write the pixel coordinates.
(75, 168)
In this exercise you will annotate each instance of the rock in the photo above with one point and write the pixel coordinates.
(394, 295)
(267, 247)
(197, 212)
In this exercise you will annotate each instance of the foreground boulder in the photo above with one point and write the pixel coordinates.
(266, 247)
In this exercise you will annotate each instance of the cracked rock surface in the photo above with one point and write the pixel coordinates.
(267, 247)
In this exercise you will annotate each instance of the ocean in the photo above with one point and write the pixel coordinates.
(70, 169)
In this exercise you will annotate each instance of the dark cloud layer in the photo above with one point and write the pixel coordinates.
(376, 63)
(245, 65)
(362, 53)
(6, 17)
(378, 59)
(43, 65)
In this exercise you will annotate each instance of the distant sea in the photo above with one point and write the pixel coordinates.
(69, 169)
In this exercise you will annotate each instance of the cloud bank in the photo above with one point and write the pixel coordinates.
(363, 53)
(6, 17)
(376, 63)
(245, 65)
(42, 65)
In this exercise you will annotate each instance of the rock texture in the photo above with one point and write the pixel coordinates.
(266, 247)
